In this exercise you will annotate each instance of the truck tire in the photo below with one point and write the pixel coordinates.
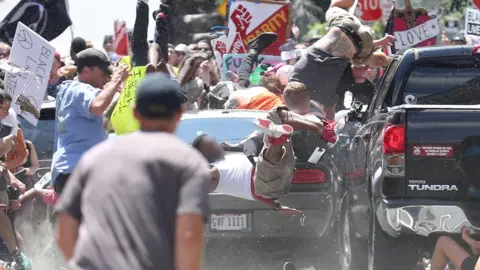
(353, 251)
(386, 252)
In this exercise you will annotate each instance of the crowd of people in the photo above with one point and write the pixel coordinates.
(140, 201)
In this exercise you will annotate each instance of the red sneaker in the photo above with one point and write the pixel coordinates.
(277, 134)
(272, 129)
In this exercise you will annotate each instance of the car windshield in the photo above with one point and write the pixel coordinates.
(232, 130)
(42, 135)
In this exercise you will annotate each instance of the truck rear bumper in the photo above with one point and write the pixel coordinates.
(421, 219)
(318, 214)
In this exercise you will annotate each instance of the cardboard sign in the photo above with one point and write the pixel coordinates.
(414, 27)
(411, 37)
(122, 117)
(432, 151)
(472, 22)
(231, 62)
(33, 53)
(248, 19)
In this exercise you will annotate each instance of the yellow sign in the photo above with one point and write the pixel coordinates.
(222, 8)
(126, 61)
(122, 117)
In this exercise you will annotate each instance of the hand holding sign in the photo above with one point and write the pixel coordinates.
(121, 73)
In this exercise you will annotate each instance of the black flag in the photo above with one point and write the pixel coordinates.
(48, 18)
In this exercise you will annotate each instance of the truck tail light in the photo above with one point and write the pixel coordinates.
(309, 177)
(476, 49)
(394, 145)
(394, 139)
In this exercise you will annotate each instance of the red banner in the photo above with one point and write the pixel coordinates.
(121, 38)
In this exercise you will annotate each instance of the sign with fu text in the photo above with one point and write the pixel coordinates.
(35, 55)
(231, 62)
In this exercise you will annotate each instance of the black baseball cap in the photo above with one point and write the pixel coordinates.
(94, 58)
(159, 96)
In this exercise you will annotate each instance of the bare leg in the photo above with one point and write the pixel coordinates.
(20, 241)
(448, 249)
(6, 231)
(274, 153)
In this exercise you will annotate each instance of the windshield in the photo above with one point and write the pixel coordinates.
(448, 82)
(42, 135)
(232, 130)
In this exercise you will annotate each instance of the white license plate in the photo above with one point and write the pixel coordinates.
(229, 222)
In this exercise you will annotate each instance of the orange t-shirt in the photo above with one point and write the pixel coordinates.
(20, 150)
(264, 102)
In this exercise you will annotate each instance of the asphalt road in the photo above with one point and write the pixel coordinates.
(271, 254)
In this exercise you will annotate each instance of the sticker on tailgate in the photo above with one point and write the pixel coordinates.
(433, 151)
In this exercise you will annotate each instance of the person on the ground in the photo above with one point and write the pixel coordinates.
(151, 216)
(347, 41)
(268, 95)
(78, 44)
(7, 143)
(447, 249)
(4, 50)
(109, 48)
(30, 164)
(80, 108)
(234, 174)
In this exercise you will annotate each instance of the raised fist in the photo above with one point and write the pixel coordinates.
(241, 18)
(221, 47)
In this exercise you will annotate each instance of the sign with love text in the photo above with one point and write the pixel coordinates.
(414, 27)
(35, 55)
(248, 19)
(231, 62)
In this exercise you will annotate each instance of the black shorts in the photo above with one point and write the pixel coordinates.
(60, 182)
(469, 263)
(321, 73)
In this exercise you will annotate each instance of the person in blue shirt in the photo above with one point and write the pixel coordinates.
(80, 107)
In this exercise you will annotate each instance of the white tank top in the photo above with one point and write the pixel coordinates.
(235, 176)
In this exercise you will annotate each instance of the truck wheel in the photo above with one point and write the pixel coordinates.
(353, 251)
(386, 252)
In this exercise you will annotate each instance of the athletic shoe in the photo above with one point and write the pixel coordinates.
(262, 42)
(289, 266)
(277, 134)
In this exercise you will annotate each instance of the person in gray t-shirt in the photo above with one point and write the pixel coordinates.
(138, 201)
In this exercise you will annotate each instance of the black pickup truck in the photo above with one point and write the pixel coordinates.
(413, 169)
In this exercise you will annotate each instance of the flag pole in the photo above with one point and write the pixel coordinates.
(72, 34)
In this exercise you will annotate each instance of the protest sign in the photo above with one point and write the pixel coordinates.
(34, 54)
(231, 62)
(122, 116)
(414, 27)
(248, 19)
(472, 22)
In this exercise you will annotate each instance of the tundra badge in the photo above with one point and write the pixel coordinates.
(421, 185)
